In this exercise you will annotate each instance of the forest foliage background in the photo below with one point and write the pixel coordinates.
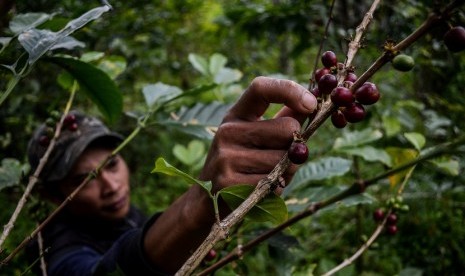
(149, 46)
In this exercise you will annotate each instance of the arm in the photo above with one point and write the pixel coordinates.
(244, 158)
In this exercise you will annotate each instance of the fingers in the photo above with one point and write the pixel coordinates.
(267, 134)
(263, 91)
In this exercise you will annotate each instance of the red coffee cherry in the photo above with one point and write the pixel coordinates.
(73, 127)
(316, 92)
(367, 93)
(329, 59)
(342, 96)
(44, 141)
(350, 77)
(321, 72)
(211, 255)
(391, 229)
(327, 83)
(391, 219)
(69, 119)
(455, 39)
(354, 113)
(378, 215)
(338, 119)
(298, 152)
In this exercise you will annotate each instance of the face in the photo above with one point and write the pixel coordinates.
(104, 197)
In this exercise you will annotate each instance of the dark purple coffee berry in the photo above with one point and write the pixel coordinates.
(316, 92)
(350, 77)
(342, 96)
(391, 229)
(44, 141)
(321, 72)
(298, 152)
(69, 119)
(329, 59)
(455, 39)
(391, 219)
(73, 127)
(354, 113)
(211, 255)
(367, 94)
(378, 215)
(338, 119)
(327, 83)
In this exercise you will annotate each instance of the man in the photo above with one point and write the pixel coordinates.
(100, 232)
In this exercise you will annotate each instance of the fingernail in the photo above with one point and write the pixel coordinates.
(309, 101)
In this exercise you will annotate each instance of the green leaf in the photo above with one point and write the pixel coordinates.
(391, 125)
(324, 168)
(227, 75)
(200, 120)
(369, 153)
(91, 56)
(447, 165)
(357, 138)
(199, 63)
(416, 139)
(113, 66)
(271, 208)
(217, 63)
(97, 85)
(191, 154)
(159, 93)
(162, 166)
(26, 21)
(10, 172)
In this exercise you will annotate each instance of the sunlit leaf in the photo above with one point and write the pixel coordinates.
(369, 154)
(357, 138)
(271, 208)
(199, 63)
(191, 154)
(227, 75)
(217, 63)
(391, 125)
(162, 166)
(416, 139)
(400, 156)
(159, 93)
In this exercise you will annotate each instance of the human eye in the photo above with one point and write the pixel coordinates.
(112, 164)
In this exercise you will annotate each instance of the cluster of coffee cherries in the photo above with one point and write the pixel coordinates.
(68, 123)
(350, 104)
(391, 220)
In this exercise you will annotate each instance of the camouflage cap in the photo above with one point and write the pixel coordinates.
(77, 133)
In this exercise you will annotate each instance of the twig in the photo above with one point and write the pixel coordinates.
(43, 266)
(33, 179)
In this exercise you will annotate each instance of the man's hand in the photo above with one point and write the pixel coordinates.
(246, 148)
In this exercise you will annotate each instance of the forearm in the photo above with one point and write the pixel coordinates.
(179, 230)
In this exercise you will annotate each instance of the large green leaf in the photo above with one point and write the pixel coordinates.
(357, 138)
(162, 166)
(416, 139)
(227, 75)
(10, 172)
(447, 165)
(199, 63)
(200, 120)
(271, 208)
(159, 93)
(369, 154)
(38, 42)
(190, 155)
(98, 86)
(324, 168)
(217, 62)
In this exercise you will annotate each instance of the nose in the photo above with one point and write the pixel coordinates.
(109, 184)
